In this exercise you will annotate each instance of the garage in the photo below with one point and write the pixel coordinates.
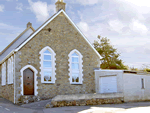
(108, 84)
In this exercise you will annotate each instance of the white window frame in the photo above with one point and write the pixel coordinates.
(80, 67)
(3, 74)
(53, 69)
(10, 71)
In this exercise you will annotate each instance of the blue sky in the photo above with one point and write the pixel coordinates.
(125, 22)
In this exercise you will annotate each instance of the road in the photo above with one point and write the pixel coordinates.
(137, 107)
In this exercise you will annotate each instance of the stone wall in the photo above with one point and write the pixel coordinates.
(86, 99)
(7, 91)
(63, 38)
(17, 78)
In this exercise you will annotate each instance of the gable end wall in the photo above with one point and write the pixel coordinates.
(63, 38)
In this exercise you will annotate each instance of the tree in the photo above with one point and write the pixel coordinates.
(110, 56)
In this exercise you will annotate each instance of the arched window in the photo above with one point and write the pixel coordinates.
(47, 65)
(3, 74)
(75, 67)
(10, 71)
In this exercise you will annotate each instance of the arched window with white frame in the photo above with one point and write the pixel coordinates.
(10, 71)
(47, 65)
(3, 82)
(75, 67)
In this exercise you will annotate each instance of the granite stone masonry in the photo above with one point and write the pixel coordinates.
(7, 91)
(88, 102)
(63, 38)
(85, 100)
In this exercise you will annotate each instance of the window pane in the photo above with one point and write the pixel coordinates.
(47, 64)
(47, 57)
(47, 52)
(74, 54)
(75, 77)
(75, 66)
(75, 59)
(47, 76)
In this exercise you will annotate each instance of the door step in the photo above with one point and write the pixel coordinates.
(37, 105)
(25, 99)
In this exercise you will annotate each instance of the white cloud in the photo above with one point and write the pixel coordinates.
(116, 25)
(41, 9)
(19, 6)
(2, 8)
(83, 26)
(88, 2)
(138, 27)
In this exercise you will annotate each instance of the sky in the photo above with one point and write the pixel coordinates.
(125, 22)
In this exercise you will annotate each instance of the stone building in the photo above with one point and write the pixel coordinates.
(56, 59)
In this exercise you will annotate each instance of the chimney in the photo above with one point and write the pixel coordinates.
(29, 24)
(60, 5)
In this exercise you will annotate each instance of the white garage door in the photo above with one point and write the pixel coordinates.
(108, 84)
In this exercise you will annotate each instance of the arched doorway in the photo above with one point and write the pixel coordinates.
(28, 82)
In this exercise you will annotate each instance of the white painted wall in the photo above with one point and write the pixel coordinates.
(133, 87)
(107, 73)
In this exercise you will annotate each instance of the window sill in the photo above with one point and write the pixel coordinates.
(9, 83)
(47, 82)
(76, 83)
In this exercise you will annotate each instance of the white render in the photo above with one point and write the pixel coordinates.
(80, 66)
(130, 84)
(133, 90)
(35, 78)
(108, 73)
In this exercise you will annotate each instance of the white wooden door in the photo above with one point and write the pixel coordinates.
(108, 84)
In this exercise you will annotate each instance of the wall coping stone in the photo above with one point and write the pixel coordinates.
(87, 96)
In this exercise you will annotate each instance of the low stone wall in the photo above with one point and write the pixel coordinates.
(86, 99)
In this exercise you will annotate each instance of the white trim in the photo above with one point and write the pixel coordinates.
(80, 66)
(12, 69)
(8, 70)
(3, 79)
(53, 64)
(35, 78)
(14, 81)
(48, 23)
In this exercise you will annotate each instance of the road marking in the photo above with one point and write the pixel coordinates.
(7, 109)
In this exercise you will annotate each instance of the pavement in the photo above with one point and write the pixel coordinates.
(136, 107)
